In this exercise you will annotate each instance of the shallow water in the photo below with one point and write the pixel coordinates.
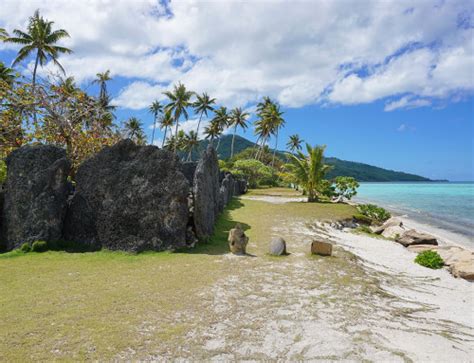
(444, 205)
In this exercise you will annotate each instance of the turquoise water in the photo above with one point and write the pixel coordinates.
(446, 205)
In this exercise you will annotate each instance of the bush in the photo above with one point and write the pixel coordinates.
(25, 247)
(39, 246)
(377, 214)
(254, 171)
(346, 186)
(360, 218)
(430, 259)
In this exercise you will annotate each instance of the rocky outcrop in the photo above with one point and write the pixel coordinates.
(240, 187)
(130, 198)
(237, 240)
(206, 194)
(412, 237)
(36, 194)
(226, 191)
(392, 222)
(393, 232)
(321, 248)
(188, 168)
(277, 247)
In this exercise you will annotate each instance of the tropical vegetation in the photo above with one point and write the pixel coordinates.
(430, 259)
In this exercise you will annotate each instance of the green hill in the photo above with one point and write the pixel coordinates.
(360, 171)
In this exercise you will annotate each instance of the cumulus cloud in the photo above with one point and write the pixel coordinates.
(406, 102)
(299, 53)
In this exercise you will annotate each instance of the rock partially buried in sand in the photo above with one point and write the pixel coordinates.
(413, 237)
(321, 248)
(392, 222)
(237, 240)
(277, 246)
(463, 269)
(393, 232)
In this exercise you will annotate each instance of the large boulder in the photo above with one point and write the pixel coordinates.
(392, 222)
(226, 191)
(277, 247)
(240, 187)
(393, 232)
(412, 237)
(206, 194)
(36, 195)
(130, 198)
(321, 248)
(188, 168)
(237, 240)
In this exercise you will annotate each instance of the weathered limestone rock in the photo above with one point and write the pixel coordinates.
(412, 237)
(392, 222)
(36, 194)
(206, 194)
(321, 248)
(130, 198)
(226, 191)
(240, 187)
(393, 232)
(237, 240)
(188, 169)
(277, 246)
(463, 269)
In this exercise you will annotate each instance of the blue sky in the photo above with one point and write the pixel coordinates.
(386, 83)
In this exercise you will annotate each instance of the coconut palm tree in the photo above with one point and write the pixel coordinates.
(274, 117)
(201, 106)
(101, 80)
(179, 99)
(221, 117)
(3, 34)
(237, 118)
(212, 130)
(156, 108)
(7, 74)
(309, 170)
(191, 142)
(40, 38)
(263, 129)
(294, 143)
(166, 122)
(133, 129)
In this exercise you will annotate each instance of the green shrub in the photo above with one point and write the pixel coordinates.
(430, 259)
(39, 246)
(378, 214)
(25, 247)
(361, 218)
(346, 186)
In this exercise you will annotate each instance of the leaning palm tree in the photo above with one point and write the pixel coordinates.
(221, 118)
(294, 143)
(179, 99)
(156, 108)
(166, 122)
(309, 170)
(101, 80)
(202, 105)
(133, 129)
(238, 118)
(7, 74)
(192, 141)
(263, 129)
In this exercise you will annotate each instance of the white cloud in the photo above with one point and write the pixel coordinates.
(296, 52)
(406, 103)
(402, 127)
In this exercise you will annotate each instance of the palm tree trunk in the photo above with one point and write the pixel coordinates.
(232, 146)
(34, 86)
(164, 138)
(153, 134)
(176, 133)
(274, 150)
(256, 144)
(218, 143)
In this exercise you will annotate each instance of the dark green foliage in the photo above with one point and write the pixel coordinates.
(363, 219)
(430, 259)
(70, 246)
(25, 247)
(39, 246)
(377, 214)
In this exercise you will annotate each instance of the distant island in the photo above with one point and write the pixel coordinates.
(360, 171)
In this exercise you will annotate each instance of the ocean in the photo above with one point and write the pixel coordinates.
(446, 205)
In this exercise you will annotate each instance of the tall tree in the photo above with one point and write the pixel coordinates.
(40, 38)
(212, 130)
(262, 126)
(166, 122)
(221, 118)
(309, 170)
(156, 108)
(180, 99)
(133, 129)
(276, 121)
(7, 74)
(294, 143)
(3, 34)
(202, 105)
(238, 118)
(101, 80)
(192, 141)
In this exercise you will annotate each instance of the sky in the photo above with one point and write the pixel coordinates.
(388, 83)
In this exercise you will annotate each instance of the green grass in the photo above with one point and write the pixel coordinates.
(91, 306)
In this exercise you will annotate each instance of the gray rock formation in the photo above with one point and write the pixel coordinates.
(226, 191)
(277, 246)
(36, 195)
(188, 169)
(237, 240)
(412, 237)
(130, 198)
(392, 222)
(206, 194)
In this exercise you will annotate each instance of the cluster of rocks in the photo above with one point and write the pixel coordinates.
(126, 197)
(459, 261)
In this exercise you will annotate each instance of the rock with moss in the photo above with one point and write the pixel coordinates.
(35, 195)
(206, 194)
(130, 198)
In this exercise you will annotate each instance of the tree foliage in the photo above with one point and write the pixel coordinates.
(346, 187)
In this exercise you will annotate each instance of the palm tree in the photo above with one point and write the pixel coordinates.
(3, 34)
(221, 118)
(101, 80)
(274, 117)
(156, 108)
(166, 121)
(179, 99)
(238, 118)
(310, 170)
(202, 105)
(294, 143)
(7, 74)
(133, 129)
(263, 129)
(191, 141)
(212, 130)
(42, 39)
